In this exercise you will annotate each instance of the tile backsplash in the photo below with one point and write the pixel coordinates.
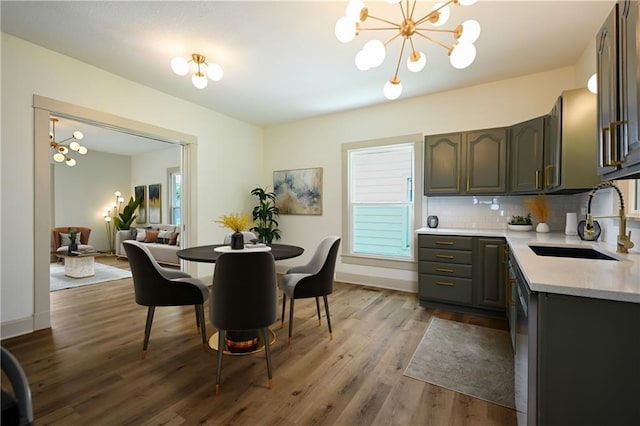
(480, 212)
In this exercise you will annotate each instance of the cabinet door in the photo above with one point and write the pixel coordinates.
(553, 146)
(526, 144)
(486, 152)
(443, 164)
(489, 273)
(629, 27)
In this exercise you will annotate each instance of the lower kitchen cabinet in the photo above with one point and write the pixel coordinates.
(462, 273)
(588, 361)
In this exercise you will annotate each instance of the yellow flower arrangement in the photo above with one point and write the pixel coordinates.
(235, 221)
(539, 207)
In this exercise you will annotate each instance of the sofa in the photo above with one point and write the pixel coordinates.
(163, 241)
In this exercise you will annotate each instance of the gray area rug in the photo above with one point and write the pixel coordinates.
(465, 358)
(104, 273)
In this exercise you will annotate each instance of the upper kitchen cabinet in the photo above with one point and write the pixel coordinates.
(466, 163)
(570, 135)
(617, 50)
(526, 144)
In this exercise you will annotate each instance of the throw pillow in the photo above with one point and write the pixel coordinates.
(140, 234)
(173, 239)
(65, 240)
(164, 236)
(151, 236)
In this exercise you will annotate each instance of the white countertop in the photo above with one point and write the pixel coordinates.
(601, 279)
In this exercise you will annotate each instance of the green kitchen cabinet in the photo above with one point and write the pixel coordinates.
(462, 273)
(526, 145)
(489, 273)
(466, 163)
(618, 133)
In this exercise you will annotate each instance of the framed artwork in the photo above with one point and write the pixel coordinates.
(298, 191)
(155, 205)
(141, 192)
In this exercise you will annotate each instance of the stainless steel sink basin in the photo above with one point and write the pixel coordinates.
(569, 251)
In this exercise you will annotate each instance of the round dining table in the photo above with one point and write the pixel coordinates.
(209, 254)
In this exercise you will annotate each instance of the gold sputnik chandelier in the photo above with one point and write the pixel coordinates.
(461, 53)
(61, 149)
(180, 66)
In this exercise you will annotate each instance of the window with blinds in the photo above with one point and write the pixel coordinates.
(381, 200)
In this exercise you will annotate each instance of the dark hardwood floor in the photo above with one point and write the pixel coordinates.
(87, 369)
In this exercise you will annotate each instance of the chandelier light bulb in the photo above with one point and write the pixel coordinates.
(592, 83)
(393, 1)
(78, 135)
(117, 193)
(416, 62)
(62, 149)
(74, 146)
(375, 52)
(444, 14)
(392, 89)
(71, 162)
(470, 31)
(345, 29)
(362, 62)
(179, 65)
(467, 2)
(199, 80)
(82, 150)
(214, 72)
(107, 218)
(59, 158)
(462, 55)
(353, 10)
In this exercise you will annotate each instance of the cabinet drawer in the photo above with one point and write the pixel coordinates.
(448, 269)
(446, 242)
(447, 289)
(446, 256)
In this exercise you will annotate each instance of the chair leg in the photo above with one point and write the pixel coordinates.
(267, 350)
(326, 308)
(221, 334)
(202, 325)
(290, 319)
(147, 330)
(318, 310)
(197, 317)
(284, 304)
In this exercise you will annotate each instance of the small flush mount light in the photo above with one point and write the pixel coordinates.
(461, 52)
(61, 149)
(180, 66)
(592, 83)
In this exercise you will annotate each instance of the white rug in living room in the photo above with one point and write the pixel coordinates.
(465, 358)
(104, 273)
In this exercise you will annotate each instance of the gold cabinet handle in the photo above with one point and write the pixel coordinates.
(614, 142)
(444, 256)
(548, 173)
(612, 151)
(458, 184)
(445, 270)
(468, 183)
(510, 282)
(448, 284)
(537, 177)
(444, 243)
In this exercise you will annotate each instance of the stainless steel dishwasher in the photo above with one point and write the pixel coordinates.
(525, 363)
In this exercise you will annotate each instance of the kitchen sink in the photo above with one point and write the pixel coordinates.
(569, 251)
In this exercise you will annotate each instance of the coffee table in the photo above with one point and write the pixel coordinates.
(78, 265)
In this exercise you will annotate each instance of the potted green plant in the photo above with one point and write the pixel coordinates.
(125, 218)
(264, 216)
(520, 223)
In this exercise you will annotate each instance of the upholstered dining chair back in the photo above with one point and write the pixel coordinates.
(17, 407)
(319, 270)
(157, 286)
(245, 293)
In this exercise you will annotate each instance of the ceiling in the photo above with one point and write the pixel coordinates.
(281, 59)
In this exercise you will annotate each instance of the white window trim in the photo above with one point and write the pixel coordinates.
(380, 261)
(628, 188)
(170, 172)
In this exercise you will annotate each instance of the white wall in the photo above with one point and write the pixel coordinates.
(151, 168)
(84, 191)
(27, 70)
(317, 143)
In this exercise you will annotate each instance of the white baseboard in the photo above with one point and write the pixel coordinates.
(16, 327)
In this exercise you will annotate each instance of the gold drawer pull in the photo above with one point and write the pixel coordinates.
(444, 270)
(444, 256)
(444, 243)
(448, 284)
